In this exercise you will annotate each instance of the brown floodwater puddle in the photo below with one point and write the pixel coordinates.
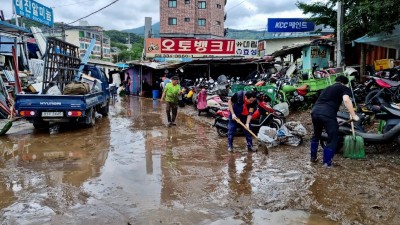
(132, 168)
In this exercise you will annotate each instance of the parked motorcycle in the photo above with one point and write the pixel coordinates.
(263, 116)
(296, 97)
(389, 131)
(387, 89)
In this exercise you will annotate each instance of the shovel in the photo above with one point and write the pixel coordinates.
(8, 125)
(260, 143)
(353, 145)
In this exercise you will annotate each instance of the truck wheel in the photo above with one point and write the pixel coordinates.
(104, 110)
(41, 125)
(91, 117)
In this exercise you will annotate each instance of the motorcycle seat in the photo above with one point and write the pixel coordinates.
(391, 110)
(303, 87)
(391, 82)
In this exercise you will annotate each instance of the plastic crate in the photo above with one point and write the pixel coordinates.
(383, 64)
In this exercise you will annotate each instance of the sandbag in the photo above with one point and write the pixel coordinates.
(268, 136)
(76, 88)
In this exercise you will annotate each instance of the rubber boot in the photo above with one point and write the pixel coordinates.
(313, 150)
(328, 156)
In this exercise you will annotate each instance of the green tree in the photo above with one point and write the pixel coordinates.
(123, 37)
(135, 53)
(361, 17)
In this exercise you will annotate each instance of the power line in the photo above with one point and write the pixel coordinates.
(76, 3)
(95, 12)
(235, 5)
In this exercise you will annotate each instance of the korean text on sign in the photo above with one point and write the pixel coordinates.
(34, 11)
(195, 46)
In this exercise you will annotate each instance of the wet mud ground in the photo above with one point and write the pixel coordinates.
(133, 169)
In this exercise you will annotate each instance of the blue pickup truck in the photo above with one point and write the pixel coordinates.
(43, 110)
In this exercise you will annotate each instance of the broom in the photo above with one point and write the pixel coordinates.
(353, 145)
(261, 146)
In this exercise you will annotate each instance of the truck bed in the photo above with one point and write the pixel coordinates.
(57, 102)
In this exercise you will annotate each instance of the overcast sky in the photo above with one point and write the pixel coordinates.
(127, 14)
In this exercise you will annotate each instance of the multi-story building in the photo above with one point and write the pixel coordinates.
(81, 36)
(192, 18)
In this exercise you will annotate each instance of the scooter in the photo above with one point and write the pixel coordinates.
(296, 97)
(389, 130)
(387, 89)
(214, 104)
(263, 116)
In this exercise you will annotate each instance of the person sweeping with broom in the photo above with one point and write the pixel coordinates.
(323, 116)
(241, 106)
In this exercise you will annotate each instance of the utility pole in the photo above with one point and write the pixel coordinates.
(147, 33)
(339, 43)
(63, 31)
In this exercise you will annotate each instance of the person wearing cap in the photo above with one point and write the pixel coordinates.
(323, 115)
(170, 96)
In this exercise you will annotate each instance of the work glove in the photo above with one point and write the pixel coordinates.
(355, 118)
(234, 116)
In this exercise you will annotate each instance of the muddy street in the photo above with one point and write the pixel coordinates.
(133, 169)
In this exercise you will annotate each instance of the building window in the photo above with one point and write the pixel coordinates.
(219, 6)
(201, 22)
(187, 19)
(217, 22)
(187, 1)
(172, 3)
(202, 4)
(172, 21)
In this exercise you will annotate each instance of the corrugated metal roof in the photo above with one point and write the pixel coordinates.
(101, 62)
(12, 29)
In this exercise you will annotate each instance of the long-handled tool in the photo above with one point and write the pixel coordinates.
(9, 123)
(261, 145)
(354, 145)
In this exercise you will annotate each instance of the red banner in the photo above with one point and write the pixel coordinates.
(165, 47)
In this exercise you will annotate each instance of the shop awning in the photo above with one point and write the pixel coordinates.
(383, 39)
(122, 65)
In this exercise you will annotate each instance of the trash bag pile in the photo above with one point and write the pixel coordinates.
(291, 133)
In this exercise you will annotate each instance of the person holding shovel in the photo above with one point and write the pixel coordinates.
(323, 115)
(241, 106)
(170, 96)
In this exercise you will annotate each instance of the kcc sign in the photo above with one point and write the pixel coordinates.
(290, 25)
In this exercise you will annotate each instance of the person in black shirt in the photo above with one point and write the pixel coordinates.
(323, 116)
(241, 105)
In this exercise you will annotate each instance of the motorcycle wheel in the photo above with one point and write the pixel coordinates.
(275, 124)
(222, 132)
(369, 97)
(398, 141)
